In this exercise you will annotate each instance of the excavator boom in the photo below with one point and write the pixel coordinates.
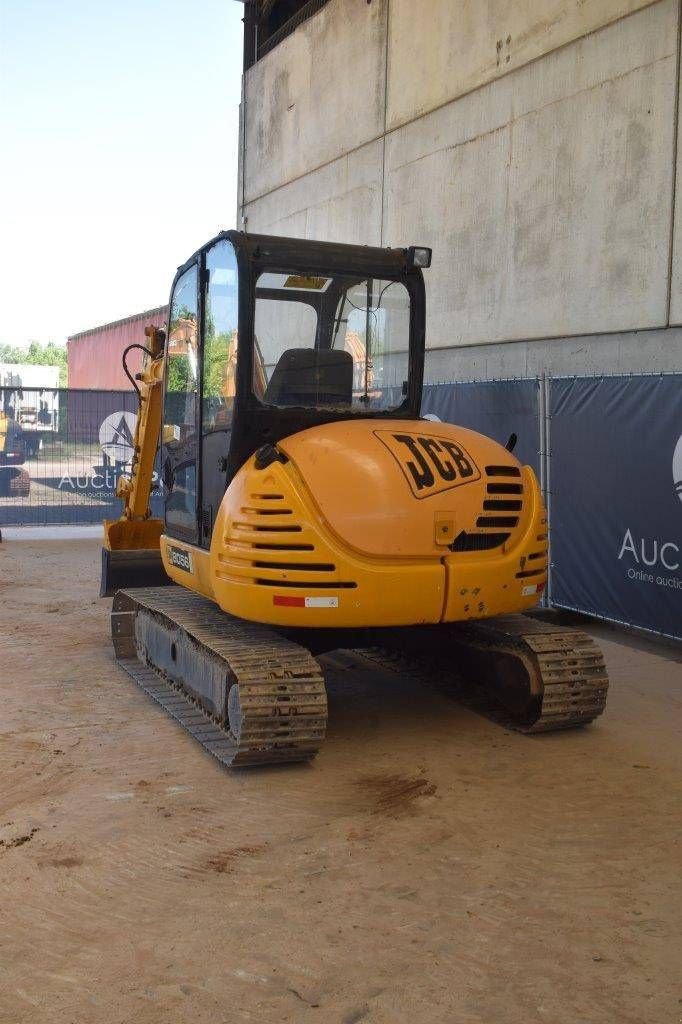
(131, 555)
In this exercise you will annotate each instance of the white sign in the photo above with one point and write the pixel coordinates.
(677, 468)
(116, 436)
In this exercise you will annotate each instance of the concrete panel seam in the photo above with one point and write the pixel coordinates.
(676, 131)
(383, 136)
(315, 170)
(536, 110)
(242, 177)
(522, 67)
(315, 206)
(550, 337)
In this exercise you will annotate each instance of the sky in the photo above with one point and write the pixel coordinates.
(118, 154)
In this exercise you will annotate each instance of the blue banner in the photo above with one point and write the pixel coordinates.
(496, 408)
(615, 486)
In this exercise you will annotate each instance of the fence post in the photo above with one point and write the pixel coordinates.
(545, 471)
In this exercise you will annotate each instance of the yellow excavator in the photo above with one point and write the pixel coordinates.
(308, 507)
(15, 481)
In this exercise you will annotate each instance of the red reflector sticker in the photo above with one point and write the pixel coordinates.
(305, 602)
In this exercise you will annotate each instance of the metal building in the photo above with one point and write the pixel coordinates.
(533, 145)
(94, 356)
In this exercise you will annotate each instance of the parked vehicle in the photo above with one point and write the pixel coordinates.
(30, 397)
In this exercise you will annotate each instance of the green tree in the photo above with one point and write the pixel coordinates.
(216, 350)
(38, 354)
(180, 377)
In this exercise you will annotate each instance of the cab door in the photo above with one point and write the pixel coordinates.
(179, 458)
(218, 377)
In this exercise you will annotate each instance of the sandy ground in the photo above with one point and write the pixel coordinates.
(428, 867)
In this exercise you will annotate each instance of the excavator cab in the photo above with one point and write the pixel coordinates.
(266, 337)
(270, 336)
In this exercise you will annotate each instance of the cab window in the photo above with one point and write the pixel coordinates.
(220, 338)
(180, 407)
(218, 378)
(331, 341)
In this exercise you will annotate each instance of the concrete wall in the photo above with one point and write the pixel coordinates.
(533, 144)
(316, 96)
(472, 42)
(340, 200)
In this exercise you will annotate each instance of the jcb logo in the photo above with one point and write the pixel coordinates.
(430, 464)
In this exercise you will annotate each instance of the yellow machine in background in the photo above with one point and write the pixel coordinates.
(309, 507)
(15, 481)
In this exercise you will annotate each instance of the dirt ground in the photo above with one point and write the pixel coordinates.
(428, 867)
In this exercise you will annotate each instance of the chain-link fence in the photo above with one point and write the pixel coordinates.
(607, 451)
(61, 453)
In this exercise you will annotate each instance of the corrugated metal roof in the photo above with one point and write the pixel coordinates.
(119, 323)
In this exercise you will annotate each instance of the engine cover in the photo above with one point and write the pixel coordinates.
(397, 488)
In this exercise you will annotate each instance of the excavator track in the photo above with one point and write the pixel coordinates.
(530, 675)
(248, 695)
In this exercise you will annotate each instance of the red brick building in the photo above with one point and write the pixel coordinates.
(94, 356)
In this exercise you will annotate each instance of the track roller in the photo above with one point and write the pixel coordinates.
(248, 695)
(534, 676)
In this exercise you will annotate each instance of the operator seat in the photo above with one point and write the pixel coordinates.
(311, 377)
